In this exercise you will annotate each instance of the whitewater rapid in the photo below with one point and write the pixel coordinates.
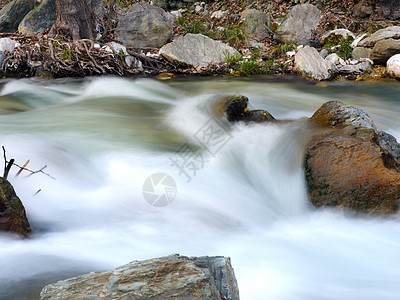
(102, 138)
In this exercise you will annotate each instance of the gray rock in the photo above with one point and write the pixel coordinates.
(385, 49)
(339, 33)
(389, 143)
(13, 13)
(311, 64)
(7, 44)
(196, 50)
(393, 66)
(357, 69)
(334, 58)
(43, 17)
(378, 9)
(144, 25)
(339, 114)
(324, 53)
(382, 34)
(298, 24)
(256, 24)
(360, 52)
(38, 20)
(2, 57)
(168, 278)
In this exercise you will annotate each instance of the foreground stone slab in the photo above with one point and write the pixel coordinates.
(168, 278)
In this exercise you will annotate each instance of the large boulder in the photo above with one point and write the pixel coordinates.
(169, 278)
(256, 24)
(378, 9)
(385, 49)
(311, 64)
(298, 24)
(44, 15)
(393, 66)
(392, 32)
(351, 165)
(13, 13)
(196, 50)
(39, 19)
(143, 25)
(12, 212)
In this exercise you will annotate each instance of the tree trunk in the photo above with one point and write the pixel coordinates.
(74, 20)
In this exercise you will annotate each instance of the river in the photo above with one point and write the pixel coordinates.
(235, 191)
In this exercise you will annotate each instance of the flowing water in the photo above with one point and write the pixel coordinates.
(241, 192)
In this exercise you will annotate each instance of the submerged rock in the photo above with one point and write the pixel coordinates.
(236, 110)
(350, 164)
(196, 50)
(298, 24)
(168, 278)
(12, 212)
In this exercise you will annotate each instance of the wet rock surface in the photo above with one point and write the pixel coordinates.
(351, 165)
(12, 212)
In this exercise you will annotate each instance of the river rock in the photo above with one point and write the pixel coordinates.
(385, 49)
(7, 44)
(339, 115)
(382, 9)
(13, 13)
(351, 165)
(356, 69)
(144, 25)
(298, 24)
(196, 50)
(12, 212)
(168, 278)
(256, 24)
(392, 32)
(337, 35)
(360, 52)
(393, 66)
(311, 64)
(39, 19)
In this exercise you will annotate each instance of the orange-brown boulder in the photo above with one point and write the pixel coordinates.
(349, 164)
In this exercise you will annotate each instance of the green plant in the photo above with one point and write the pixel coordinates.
(234, 36)
(280, 50)
(345, 50)
(122, 55)
(196, 27)
(232, 59)
(67, 54)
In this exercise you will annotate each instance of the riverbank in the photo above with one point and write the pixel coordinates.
(267, 37)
